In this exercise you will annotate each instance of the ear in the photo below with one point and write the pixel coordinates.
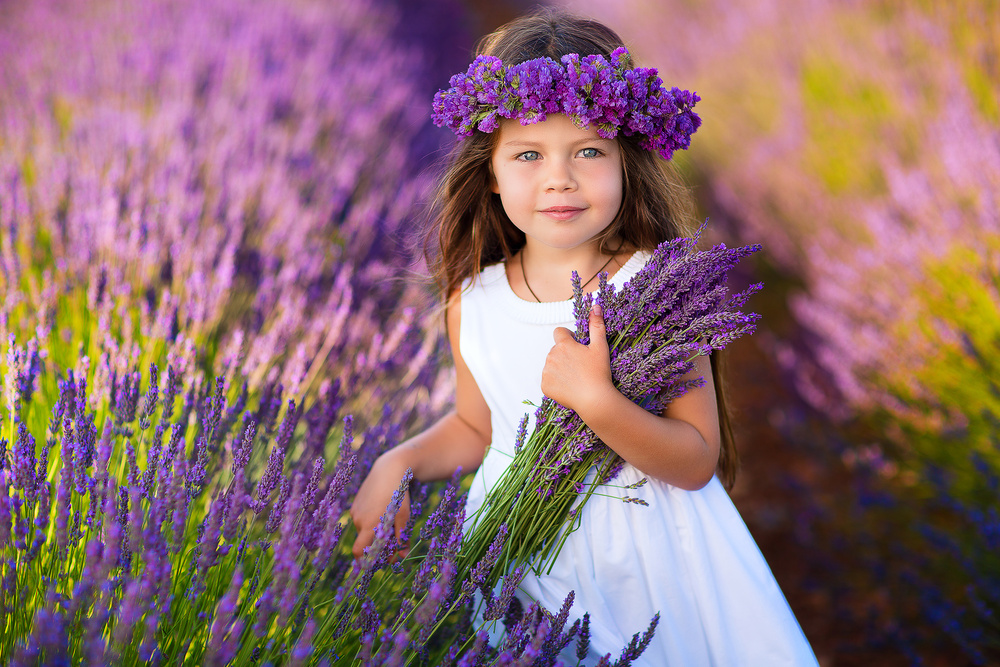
(494, 186)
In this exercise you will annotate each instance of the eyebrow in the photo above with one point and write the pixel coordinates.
(520, 143)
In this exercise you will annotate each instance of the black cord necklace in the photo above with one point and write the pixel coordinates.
(528, 285)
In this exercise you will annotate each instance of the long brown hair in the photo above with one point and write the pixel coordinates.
(471, 229)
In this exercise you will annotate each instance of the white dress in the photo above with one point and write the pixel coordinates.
(688, 555)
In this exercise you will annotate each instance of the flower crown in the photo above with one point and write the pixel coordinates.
(611, 95)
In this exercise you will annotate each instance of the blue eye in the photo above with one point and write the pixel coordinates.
(528, 156)
(590, 152)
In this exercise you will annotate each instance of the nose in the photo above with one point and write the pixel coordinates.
(559, 176)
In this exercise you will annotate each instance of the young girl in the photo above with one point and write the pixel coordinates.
(524, 203)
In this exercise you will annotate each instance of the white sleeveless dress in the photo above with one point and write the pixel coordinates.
(688, 555)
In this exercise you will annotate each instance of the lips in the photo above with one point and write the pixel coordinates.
(561, 212)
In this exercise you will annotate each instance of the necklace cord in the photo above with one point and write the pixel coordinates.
(528, 285)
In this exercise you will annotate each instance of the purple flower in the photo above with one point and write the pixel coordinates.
(473, 657)
(169, 394)
(210, 537)
(287, 571)
(278, 509)
(126, 399)
(235, 503)
(303, 645)
(320, 419)
(24, 462)
(478, 577)
(223, 644)
(217, 402)
(5, 515)
(431, 608)
(149, 402)
(242, 453)
(636, 647)
(583, 639)
(276, 460)
(498, 607)
(309, 496)
(592, 90)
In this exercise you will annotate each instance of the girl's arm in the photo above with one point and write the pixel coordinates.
(459, 439)
(680, 447)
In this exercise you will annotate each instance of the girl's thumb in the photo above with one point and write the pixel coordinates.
(597, 325)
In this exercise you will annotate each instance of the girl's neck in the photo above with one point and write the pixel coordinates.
(540, 273)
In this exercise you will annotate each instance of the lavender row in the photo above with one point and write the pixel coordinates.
(237, 179)
(862, 142)
(880, 154)
(148, 539)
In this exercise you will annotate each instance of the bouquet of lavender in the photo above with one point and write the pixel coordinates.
(676, 308)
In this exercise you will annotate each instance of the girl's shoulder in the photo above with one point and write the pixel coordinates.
(493, 276)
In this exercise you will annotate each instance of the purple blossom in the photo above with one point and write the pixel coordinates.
(439, 591)
(210, 537)
(235, 503)
(86, 430)
(593, 90)
(303, 646)
(287, 571)
(231, 414)
(133, 606)
(173, 387)
(274, 520)
(149, 402)
(582, 304)
(5, 514)
(270, 406)
(309, 496)
(244, 449)
(474, 656)
(636, 647)
(223, 644)
(321, 418)
(498, 607)
(276, 460)
(217, 403)
(477, 578)
(23, 463)
(583, 639)
(126, 399)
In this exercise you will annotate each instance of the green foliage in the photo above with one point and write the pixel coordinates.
(844, 109)
(952, 398)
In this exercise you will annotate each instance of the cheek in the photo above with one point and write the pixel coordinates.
(613, 191)
(512, 187)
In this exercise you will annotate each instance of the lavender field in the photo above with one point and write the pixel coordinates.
(860, 143)
(213, 319)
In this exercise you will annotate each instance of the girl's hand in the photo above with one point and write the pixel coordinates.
(373, 497)
(575, 375)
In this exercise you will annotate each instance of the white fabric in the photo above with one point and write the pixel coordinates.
(688, 555)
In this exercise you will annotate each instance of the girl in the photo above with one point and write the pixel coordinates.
(524, 202)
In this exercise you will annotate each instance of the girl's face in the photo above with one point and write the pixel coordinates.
(560, 185)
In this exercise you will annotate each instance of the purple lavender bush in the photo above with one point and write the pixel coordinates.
(203, 176)
(185, 557)
(202, 209)
(862, 142)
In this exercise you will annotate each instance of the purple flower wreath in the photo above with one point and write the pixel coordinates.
(610, 94)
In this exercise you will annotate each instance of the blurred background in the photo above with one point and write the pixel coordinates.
(244, 180)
